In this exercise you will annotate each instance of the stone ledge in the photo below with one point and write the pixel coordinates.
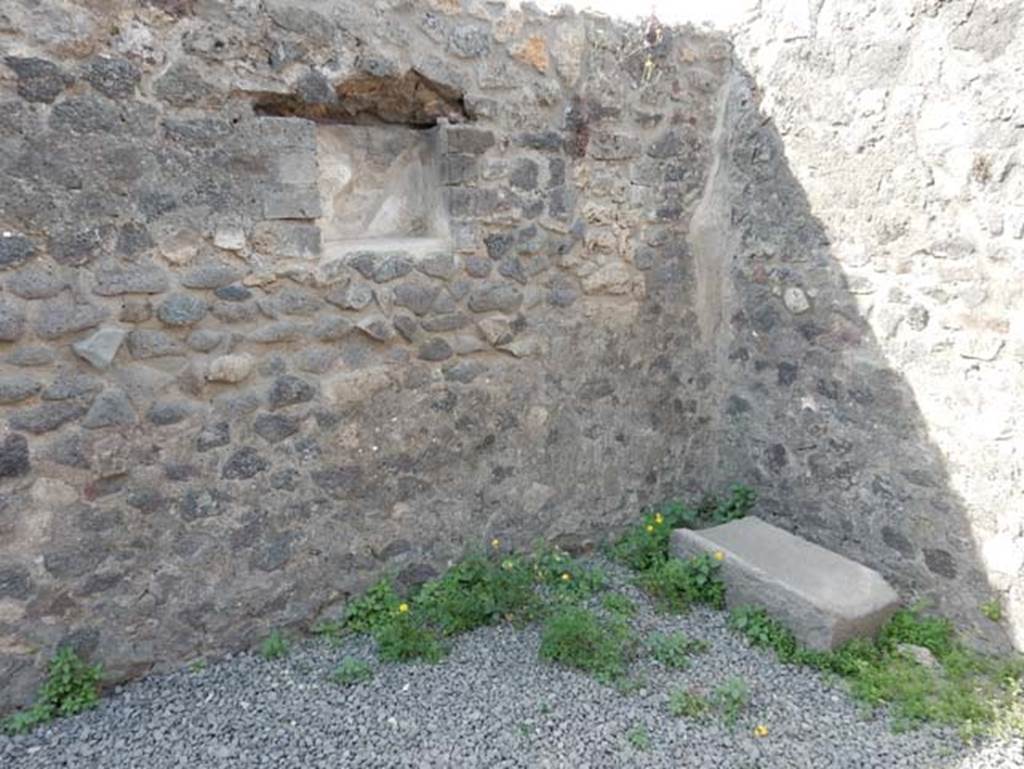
(824, 598)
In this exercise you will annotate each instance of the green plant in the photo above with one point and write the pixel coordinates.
(619, 604)
(566, 579)
(404, 639)
(373, 609)
(730, 699)
(628, 685)
(1009, 719)
(274, 646)
(197, 666)
(740, 501)
(684, 703)
(71, 687)
(639, 738)
(583, 582)
(475, 592)
(351, 671)
(968, 690)
(644, 546)
(675, 583)
(333, 630)
(577, 638)
(673, 650)
(762, 630)
(992, 610)
(909, 626)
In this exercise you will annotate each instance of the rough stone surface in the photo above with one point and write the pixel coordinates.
(181, 310)
(18, 387)
(35, 284)
(110, 409)
(14, 250)
(824, 598)
(14, 462)
(230, 368)
(888, 193)
(100, 348)
(589, 309)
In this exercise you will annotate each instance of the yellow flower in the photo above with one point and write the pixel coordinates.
(658, 519)
(649, 528)
(566, 576)
(495, 543)
(403, 608)
(719, 555)
(760, 730)
(508, 564)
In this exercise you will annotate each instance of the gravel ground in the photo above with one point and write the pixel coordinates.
(492, 703)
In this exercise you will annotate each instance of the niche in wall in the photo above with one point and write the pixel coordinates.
(380, 189)
(378, 158)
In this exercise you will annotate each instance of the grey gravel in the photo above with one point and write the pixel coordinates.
(491, 703)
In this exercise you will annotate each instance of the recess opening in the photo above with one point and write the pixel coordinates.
(378, 158)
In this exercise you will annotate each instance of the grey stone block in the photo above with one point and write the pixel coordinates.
(38, 80)
(70, 384)
(45, 417)
(298, 240)
(291, 201)
(34, 283)
(55, 319)
(14, 458)
(824, 598)
(149, 343)
(213, 275)
(495, 297)
(110, 409)
(18, 387)
(14, 250)
(12, 322)
(101, 347)
(181, 310)
(114, 78)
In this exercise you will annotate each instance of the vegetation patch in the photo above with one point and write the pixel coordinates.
(673, 650)
(482, 589)
(645, 545)
(351, 671)
(638, 738)
(675, 584)
(688, 703)
(619, 604)
(369, 613)
(406, 638)
(476, 592)
(730, 699)
(275, 646)
(964, 688)
(578, 638)
(71, 687)
(992, 610)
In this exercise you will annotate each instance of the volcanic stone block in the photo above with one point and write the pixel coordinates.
(824, 598)
(101, 347)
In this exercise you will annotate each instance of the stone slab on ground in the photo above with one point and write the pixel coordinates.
(823, 597)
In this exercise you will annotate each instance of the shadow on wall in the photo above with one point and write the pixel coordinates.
(812, 413)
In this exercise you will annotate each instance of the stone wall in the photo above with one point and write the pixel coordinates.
(872, 335)
(296, 294)
(216, 422)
